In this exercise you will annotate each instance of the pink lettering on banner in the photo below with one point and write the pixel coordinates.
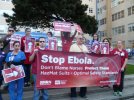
(62, 26)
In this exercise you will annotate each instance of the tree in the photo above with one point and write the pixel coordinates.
(41, 14)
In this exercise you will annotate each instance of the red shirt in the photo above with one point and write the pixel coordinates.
(66, 43)
(123, 54)
(23, 39)
(34, 62)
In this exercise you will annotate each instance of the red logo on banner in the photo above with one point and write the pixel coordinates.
(52, 43)
(62, 26)
(68, 69)
(29, 45)
(13, 73)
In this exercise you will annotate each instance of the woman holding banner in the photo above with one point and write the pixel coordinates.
(15, 58)
(124, 58)
(95, 44)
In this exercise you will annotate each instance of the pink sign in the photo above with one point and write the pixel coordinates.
(52, 43)
(62, 26)
(104, 48)
(14, 38)
(14, 73)
(96, 48)
(29, 45)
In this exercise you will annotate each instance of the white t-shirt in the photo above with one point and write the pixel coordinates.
(78, 48)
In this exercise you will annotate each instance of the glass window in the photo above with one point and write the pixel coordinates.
(112, 17)
(122, 14)
(129, 11)
(116, 16)
(119, 15)
(132, 9)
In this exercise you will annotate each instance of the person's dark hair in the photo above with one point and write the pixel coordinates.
(27, 29)
(96, 35)
(41, 38)
(50, 33)
(10, 27)
(16, 42)
(1, 41)
(107, 40)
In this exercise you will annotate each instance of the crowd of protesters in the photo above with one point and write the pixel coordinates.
(19, 57)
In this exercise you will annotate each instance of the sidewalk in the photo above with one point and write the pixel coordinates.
(93, 93)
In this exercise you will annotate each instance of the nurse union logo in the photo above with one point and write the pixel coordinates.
(46, 82)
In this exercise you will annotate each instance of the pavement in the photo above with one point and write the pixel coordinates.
(93, 93)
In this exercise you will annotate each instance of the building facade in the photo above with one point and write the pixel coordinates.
(5, 7)
(116, 20)
(91, 7)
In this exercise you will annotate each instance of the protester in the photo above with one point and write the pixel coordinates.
(79, 47)
(6, 40)
(49, 34)
(14, 58)
(27, 64)
(106, 40)
(6, 46)
(124, 58)
(67, 40)
(95, 44)
(33, 58)
(2, 60)
(95, 39)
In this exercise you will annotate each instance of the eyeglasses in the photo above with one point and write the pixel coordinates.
(17, 45)
(80, 38)
(11, 30)
(41, 41)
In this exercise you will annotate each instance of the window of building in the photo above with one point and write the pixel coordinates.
(90, 10)
(118, 15)
(118, 30)
(131, 27)
(115, 3)
(132, 9)
(103, 21)
(122, 14)
(129, 11)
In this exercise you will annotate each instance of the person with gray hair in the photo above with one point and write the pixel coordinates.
(79, 47)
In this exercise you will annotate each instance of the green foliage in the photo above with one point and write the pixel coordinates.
(41, 13)
(130, 69)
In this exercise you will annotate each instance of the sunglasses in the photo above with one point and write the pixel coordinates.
(41, 41)
(80, 38)
(11, 30)
(17, 45)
